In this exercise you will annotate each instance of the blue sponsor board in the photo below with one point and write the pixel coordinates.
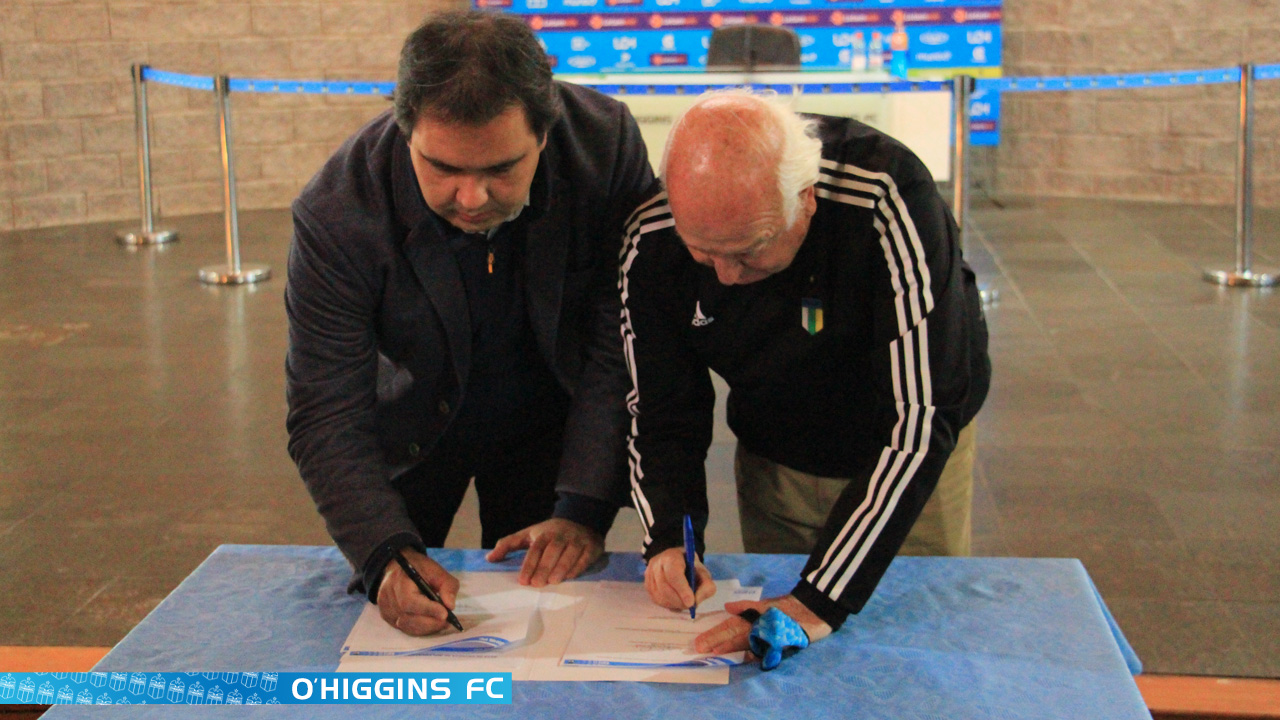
(954, 46)
(615, 52)
(984, 117)
(933, 39)
(683, 46)
(932, 36)
(535, 7)
(822, 48)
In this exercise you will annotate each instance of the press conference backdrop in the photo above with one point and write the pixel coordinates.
(921, 120)
(942, 37)
(870, 40)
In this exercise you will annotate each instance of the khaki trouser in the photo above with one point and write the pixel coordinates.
(782, 510)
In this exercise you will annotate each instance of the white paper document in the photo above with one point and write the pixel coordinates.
(530, 633)
(562, 607)
(621, 627)
(496, 612)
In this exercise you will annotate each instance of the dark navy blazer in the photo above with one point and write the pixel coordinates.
(379, 328)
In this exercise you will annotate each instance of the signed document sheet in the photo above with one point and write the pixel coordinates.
(621, 627)
(574, 631)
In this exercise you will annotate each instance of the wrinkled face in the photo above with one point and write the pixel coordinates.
(476, 176)
(746, 240)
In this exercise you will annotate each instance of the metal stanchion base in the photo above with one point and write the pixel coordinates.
(222, 274)
(141, 237)
(1253, 278)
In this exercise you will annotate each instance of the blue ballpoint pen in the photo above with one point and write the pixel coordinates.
(690, 558)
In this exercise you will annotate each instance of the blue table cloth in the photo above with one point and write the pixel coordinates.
(941, 638)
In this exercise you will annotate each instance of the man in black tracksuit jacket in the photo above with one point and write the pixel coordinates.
(851, 336)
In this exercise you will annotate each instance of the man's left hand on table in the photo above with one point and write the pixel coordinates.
(732, 635)
(558, 550)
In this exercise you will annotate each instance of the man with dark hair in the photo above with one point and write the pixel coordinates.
(468, 68)
(451, 316)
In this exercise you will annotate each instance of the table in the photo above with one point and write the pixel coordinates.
(942, 638)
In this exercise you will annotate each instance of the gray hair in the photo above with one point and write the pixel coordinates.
(790, 139)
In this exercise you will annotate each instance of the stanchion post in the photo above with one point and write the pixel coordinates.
(234, 273)
(961, 85)
(1244, 275)
(148, 234)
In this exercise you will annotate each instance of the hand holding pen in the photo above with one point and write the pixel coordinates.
(420, 606)
(667, 580)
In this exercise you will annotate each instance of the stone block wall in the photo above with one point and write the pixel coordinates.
(1166, 144)
(67, 152)
(67, 136)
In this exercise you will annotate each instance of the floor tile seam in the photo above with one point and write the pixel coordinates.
(1146, 320)
(94, 596)
(1231, 231)
(975, 231)
(1189, 569)
(1035, 317)
(43, 505)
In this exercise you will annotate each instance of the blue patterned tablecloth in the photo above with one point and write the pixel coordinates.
(942, 638)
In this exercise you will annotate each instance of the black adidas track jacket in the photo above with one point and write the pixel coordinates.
(877, 395)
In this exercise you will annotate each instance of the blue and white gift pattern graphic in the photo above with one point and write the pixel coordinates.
(254, 688)
(119, 688)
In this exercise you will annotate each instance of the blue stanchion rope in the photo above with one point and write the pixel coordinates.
(1266, 72)
(311, 87)
(1009, 84)
(194, 82)
(1112, 82)
(340, 87)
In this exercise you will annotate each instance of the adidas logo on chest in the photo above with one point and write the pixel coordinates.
(700, 320)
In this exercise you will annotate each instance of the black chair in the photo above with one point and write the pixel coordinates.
(753, 47)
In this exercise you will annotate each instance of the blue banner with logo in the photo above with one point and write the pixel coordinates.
(930, 41)
(684, 47)
(984, 116)
(909, 39)
(535, 7)
(255, 688)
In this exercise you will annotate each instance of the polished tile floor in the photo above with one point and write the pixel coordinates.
(1134, 423)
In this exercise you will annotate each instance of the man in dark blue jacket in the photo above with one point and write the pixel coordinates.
(451, 316)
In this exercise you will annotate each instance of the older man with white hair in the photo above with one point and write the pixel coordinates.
(811, 263)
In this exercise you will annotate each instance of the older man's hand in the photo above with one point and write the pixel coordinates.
(732, 634)
(559, 550)
(667, 580)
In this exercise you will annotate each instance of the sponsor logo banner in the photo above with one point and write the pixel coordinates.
(927, 21)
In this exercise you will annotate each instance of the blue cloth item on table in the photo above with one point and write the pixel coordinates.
(776, 637)
(1126, 650)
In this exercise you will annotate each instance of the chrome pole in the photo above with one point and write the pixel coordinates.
(960, 88)
(1244, 274)
(234, 273)
(148, 235)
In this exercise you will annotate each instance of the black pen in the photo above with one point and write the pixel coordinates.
(426, 589)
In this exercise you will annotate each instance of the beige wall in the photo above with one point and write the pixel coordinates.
(1172, 144)
(66, 107)
(67, 148)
